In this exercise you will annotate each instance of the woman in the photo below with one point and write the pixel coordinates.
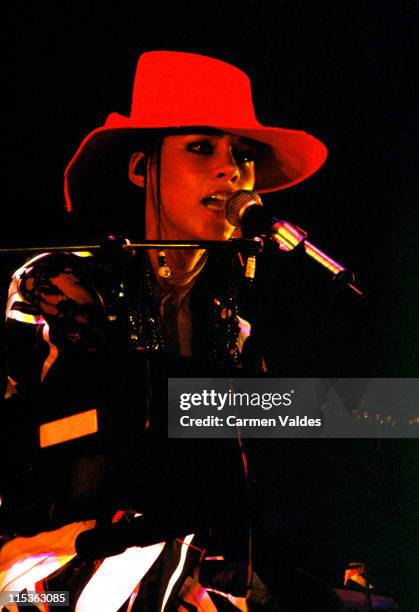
(116, 325)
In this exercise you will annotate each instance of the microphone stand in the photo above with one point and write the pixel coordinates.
(288, 237)
(236, 244)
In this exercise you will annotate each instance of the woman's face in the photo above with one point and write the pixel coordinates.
(198, 172)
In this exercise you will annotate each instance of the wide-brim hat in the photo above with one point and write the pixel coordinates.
(180, 90)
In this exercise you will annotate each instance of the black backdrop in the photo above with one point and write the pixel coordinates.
(342, 71)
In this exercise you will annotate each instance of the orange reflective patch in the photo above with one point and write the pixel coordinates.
(68, 428)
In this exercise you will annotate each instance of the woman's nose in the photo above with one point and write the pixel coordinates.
(227, 168)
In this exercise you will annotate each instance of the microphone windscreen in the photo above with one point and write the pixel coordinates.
(237, 204)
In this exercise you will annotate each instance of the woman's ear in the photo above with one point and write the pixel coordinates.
(137, 168)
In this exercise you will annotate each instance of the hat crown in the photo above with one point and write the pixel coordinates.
(173, 88)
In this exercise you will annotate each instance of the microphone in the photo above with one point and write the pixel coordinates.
(244, 209)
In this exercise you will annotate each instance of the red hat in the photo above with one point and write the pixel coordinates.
(177, 90)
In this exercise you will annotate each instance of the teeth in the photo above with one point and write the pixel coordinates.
(214, 199)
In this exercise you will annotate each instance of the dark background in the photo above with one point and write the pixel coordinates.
(344, 72)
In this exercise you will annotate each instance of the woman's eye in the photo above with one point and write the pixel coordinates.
(244, 156)
(203, 147)
(206, 147)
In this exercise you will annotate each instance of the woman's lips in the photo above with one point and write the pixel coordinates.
(215, 203)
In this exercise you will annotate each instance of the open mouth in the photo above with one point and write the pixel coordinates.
(216, 203)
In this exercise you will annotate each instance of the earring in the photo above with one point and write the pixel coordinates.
(164, 270)
(250, 269)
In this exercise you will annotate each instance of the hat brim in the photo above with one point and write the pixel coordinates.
(290, 156)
